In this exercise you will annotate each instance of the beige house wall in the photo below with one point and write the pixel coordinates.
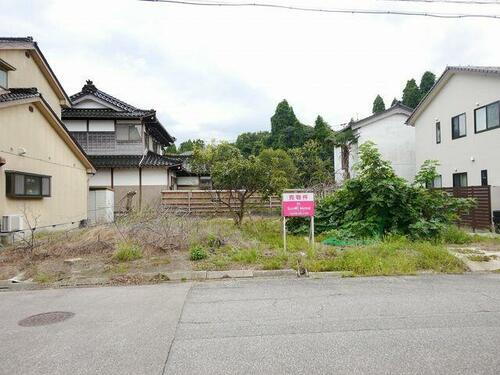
(471, 154)
(47, 154)
(28, 74)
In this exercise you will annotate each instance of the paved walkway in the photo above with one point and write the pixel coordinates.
(403, 325)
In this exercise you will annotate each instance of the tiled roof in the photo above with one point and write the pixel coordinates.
(72, 113)
(19, 94)
(28, 39)
(89, 88)
(127, 161)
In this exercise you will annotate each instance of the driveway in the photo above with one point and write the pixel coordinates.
(383, 325)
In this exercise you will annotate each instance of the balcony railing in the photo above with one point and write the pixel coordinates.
(105, 143)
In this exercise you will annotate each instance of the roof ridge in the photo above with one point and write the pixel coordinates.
(90, 89)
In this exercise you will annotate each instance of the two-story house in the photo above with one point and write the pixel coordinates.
(125, 144)
(393, 138)
(43, 172)
(458, 124)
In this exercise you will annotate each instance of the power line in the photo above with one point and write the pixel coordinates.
(326, 10)
(472, 2)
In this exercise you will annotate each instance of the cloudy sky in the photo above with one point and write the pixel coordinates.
(214, 72)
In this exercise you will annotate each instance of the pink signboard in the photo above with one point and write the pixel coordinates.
(297, 205)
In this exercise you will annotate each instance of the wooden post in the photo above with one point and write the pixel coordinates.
(284, 233)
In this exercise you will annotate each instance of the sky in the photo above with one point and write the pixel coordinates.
(213, 72)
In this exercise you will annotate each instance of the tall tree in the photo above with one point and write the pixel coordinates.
(411, 94)
(426, 82)
(286, 130)
(378, 105)
(394, 102)
(321, 129)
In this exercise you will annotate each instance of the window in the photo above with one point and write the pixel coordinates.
(459, 179)
(484, 177)
(436, 183)
(458, 126)
(26, 185)
(438, 132)
(128, 133)
(487, 117)
(3, 79)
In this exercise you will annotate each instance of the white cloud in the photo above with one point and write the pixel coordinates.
(216, 72)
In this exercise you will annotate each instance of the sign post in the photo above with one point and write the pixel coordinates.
(298, 204)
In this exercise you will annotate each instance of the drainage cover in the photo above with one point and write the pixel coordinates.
(45, 318)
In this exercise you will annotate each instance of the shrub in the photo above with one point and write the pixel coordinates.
(197, 252)
(127, 251)
(377, 202)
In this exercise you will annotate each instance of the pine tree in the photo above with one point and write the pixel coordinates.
(426, 82)
(321, 129)
(394, 102)
(411, 94)
(378, 105)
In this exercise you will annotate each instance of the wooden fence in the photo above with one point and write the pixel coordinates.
(210, 202)
(480, 216)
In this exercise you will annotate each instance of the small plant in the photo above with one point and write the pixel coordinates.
(197, 252)
(454, 235)
(273, 264)
(127, 251)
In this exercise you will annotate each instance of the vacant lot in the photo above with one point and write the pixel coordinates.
(140, 248)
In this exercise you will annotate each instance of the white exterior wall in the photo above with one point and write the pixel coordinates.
(463, 93)
(395, 141)
(155, 176)
(126, 177)
(393, 138)
(76, 125)
(101, 126)
(101, 178)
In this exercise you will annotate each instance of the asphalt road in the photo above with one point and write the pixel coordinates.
(392, 325)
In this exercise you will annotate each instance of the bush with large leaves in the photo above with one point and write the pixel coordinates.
(377, 202)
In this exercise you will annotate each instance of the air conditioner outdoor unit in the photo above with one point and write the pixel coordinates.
(11, 223)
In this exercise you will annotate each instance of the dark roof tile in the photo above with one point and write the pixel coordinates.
(131, 161)
(19, 94)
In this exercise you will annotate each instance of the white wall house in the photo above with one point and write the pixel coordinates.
(458, 124)
(393, 138)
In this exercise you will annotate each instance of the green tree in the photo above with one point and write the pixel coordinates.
(426, 82)
(312, 169)
(394, 102)
(252, 143)
(321, 130)
(236, 178)
(190, 145)
(378, 105)
(172, 149)
(411, 94)
(286, 130)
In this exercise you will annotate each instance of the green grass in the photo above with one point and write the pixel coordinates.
(454, 235)
(268, 233)
(390, 257)
(246, 256)
(127, 251)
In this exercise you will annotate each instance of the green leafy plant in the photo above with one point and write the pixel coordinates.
(197, 252)
(377, 202)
